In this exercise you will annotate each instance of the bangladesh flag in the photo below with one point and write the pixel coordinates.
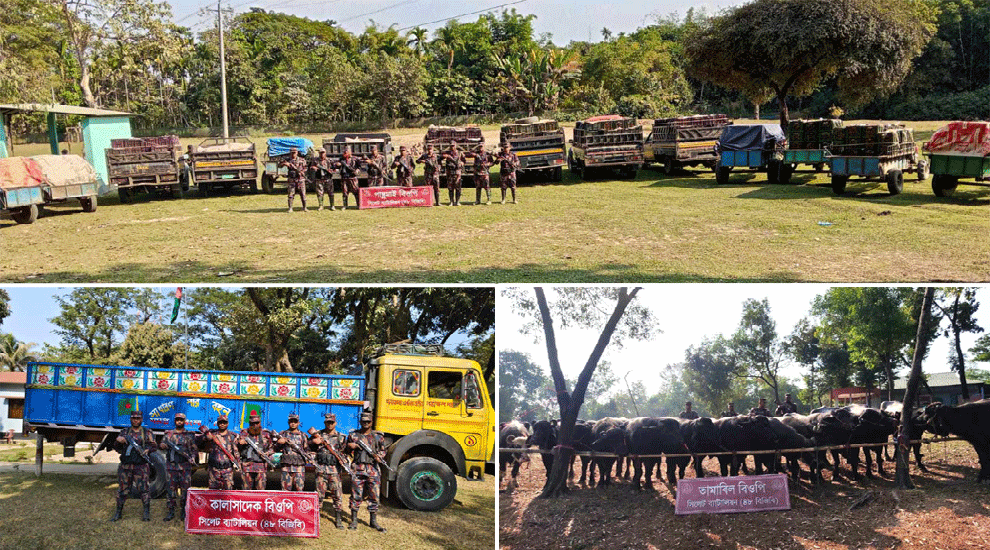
(248, 408)
(127, 406)
(175, 307)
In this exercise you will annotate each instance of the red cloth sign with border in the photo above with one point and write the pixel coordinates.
(721, 495)
(260, 513)
(395, 197)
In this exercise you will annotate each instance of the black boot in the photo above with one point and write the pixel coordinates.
(120, 510)
(353, 525)
(458, 195)
(337, 520)
(477, 196)
(147, 512)
(374, 523)
(170, 515)
(182, 512)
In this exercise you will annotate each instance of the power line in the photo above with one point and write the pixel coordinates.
(386, 8)
(462, 15)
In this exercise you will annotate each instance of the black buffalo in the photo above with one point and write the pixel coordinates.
(970, 421)
(582, 443)
(653, 436)
(916, 428)
(512, 436)
(872, 426)
(544, 436)
(608, 436)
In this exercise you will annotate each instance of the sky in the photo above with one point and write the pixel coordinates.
(687, 313)
(566, 20)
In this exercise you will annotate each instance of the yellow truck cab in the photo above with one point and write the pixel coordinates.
(438, 420)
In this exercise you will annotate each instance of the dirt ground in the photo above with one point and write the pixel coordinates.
(948, 510)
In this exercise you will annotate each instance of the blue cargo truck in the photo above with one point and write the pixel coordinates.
(435, 411)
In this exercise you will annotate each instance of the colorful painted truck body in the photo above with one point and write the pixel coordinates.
(539, 144)
(958, 151)
(610, 142)
(27, 183)
(677, 142)
(225, 162)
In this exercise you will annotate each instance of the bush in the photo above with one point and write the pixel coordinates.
(973, 105)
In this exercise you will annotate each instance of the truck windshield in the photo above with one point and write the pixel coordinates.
(444, 385)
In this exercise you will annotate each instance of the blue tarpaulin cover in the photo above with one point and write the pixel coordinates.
(749, 137)
(282, 145)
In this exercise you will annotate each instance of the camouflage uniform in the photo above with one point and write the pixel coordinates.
(431, 174)
(348, 177)
(508, 165)
(483, 162)
(293, 464)
(376, 171)
(219, 467)
(324, 166)
(133, 469)
(297, 179)
(366, 480)
(179, 469)
(254, 469)
(327, 475)
(453, 165)
(405, 168)
(759, 411)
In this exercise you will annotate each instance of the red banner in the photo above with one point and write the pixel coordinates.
(394, 197)
(262, 513)
(721, 495)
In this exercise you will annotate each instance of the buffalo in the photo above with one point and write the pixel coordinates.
(512, 436)
(608, 436)
(544, 436)
(653, 436)
(916, 427)
(970, 421)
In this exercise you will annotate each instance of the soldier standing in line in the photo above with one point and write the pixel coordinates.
(687, 413)
(731, 411)
(453, 162)
(327, 476)
(366, 479)
(181, 456)
(255, 471)
(135, 466)
(297, 177)
(761, 409)
(786, 407)
(376, 168)
(293, 462)
(218, 464)
(348, 167)
(508, 165)
(483, 162)
(404, 166)
(431, 171)
(324, 178)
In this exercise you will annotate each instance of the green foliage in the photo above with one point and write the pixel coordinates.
(151, 345)
(591, 98)
(981, 349)
(4, 305)
(93, 320)
(14, 355)
(755, 345)
(519, 384)
(968, 105)
(709, 372)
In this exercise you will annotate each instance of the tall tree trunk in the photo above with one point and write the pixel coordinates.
(756, 110)
(962, 364)
(784, 114)
(902, 454)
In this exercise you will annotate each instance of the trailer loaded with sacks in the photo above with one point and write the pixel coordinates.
(28, 183)
(875, 152)
(150, 164)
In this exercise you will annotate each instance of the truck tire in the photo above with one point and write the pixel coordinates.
(125, 194)
(253, 184)
(558, 174)
(175, 190)
(839, 184)
(267, 184)
(895, 182)
(668, 165)
(944, 185)
(88, 204)
(784, 173)
(722, 174)
(204, 189)
(922, 170)
(27, 214)
(773, 171)
(425, 484)
(158, 486)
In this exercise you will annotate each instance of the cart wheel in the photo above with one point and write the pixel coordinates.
(839, 184)
(88, 204)
(253, 184)
(668, 166)
(785, 172)
(820, 167)
(176, 191)
(773, 171)
(126, 195)
(944, 185)
(922, 170)
(204, 189)
(27, 214)
(558, 174)
(895, 182)
(722, 174)
(267, 183)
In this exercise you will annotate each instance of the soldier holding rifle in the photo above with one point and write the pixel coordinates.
(483, 162)
(508, 166)
(181, 455)
(294, 458)
(368, 449)
(324, 178)
(404, 166)
(348, 167)
(297, 177)
(453, 162)
(255, 445)
(220, 460)
(376, 168)
(431, 171)
(134, 444)
(329, 444)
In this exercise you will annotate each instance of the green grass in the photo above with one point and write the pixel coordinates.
(681, 228)
(24, 452)
(72, 511)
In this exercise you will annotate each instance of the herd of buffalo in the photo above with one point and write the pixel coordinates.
(639, 441)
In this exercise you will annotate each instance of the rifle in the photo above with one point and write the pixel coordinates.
(360, 442)
(337, 455)
(179, 451)
(236, 463)
(290, 443)
(257, 450)
(133, 444)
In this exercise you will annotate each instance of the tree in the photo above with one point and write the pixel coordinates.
(4, 305)
(779, 48)
(397, 85)
(981, 349)
(283, 311)
(958, 307)
(519, 384)
(14, 355)
(151, 345)
(709, 370)
(757, 352)
(92, 319)
(579, 307)
(920, 349)
(534, 79)
(804, 346)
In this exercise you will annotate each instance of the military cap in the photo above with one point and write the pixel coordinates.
(254, 417)
(329, 417)
(180, 415)
(221, 418)
(366, 416)
(293, 416)
(135, 414)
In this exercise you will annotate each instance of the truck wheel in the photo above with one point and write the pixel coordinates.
(668, 166)
(722, 174)
(895, 182)
(773, 171)
(204, 189)
(126, 195)
(26, 214)
(922, 170)
(88, 204)
(784, 173)
(839, 184)
(158, 484)
(176, 191)
(558, 174)
(253, 185)
(425, 484)
(267, 184)
(944, 185)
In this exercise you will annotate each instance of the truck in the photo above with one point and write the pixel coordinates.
(28, 183)
(144, 164)
(469, 139)
(225, 162)
(360, 145)
(539, 144)
(674, 143)
(278, 150)
(611, 142)
(959, 150)
(755, 147)
(875, 152)
(435, 412)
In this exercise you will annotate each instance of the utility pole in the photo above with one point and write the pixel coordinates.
(223, 73)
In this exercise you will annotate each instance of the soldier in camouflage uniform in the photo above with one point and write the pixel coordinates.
(405, 167)
(254, 468)
(376, 168)
(134, 469)
(508, 165)
(483, 162)
(366, 480)
(327, 475)
(453, 162)
(179, 464)
(218, 464)
(431, 171)
(297, 177)
(293, 463)
(348, 167)
(324, 178)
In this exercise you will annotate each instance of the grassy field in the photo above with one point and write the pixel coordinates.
(653, 228)
(72, 511)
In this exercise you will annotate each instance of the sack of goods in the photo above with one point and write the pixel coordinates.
(19, 172)
(811, 134)
(970, 139)
(64, 170)
(872, 140)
